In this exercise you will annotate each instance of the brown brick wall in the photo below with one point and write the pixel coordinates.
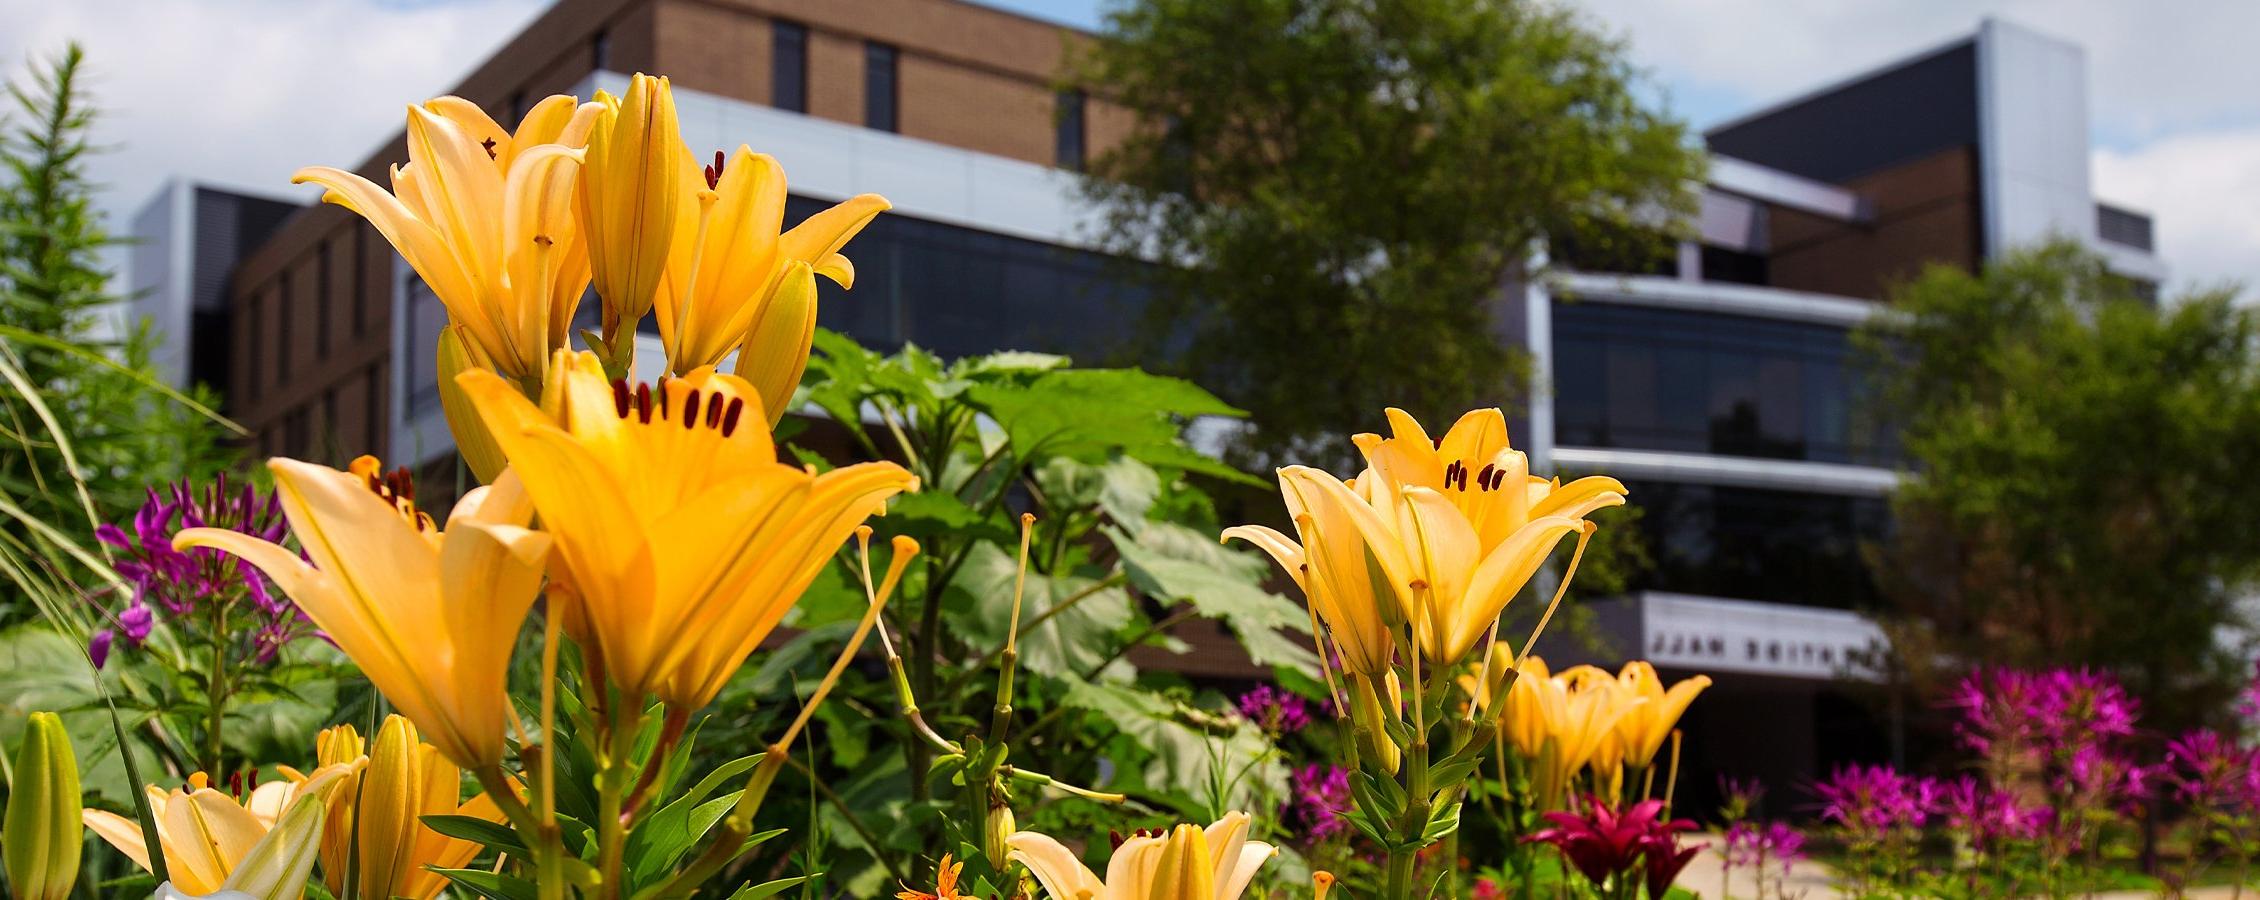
(1926, 211)
(313, 323)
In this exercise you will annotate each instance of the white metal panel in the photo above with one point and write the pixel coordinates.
(1731, 471)
(2032, 109)
(1713, 634)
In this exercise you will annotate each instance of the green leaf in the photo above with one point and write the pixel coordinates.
(1122, 487)
(766, 888)
(491, 885)
(1085, 413)
(979, 608)
(1263, 620)
(491, 835)
(1190, 748)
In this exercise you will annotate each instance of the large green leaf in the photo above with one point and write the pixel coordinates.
(1199, 760)
(1122, 487)
(1085, 413)
(1063, 646)
(1256, 615)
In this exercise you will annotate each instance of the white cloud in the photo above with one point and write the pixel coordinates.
(2169, 90)
(243, 92)
(2205, 190)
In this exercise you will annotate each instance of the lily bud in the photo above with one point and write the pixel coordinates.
(630, 185)
(775, 352)
(43, 832)
(1368, 713)
(999, 826)
(456, 356)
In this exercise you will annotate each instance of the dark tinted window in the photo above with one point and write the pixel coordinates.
(961, 292)
(1654, 379)
(1748, 544)
(1068, 143)
(880, 93)
(600, 49)
(788, 76)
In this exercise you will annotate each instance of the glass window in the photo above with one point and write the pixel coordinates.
(1657, 379)
(1749, 544)
(600, 49)
(960, 292)
(880, 92)
(788, 60)
(1067, 144)
(426, 316)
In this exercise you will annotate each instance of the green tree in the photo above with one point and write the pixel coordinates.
(2082, 490)
(1339, 190)
(84, 422)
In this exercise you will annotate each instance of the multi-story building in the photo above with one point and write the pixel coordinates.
(1723, 390)
(1718, 385)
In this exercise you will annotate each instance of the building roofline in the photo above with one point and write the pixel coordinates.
(1838, 84)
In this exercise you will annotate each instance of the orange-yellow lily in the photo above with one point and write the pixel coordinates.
(1186, 863)
(1331, 566)
(682, 536)
(401, 779)
(207, 834)
(630, 193)
(732, 258)
(485, 216)
(429, 616)
(1466, 521)
(1646, 729)
(1556, 723)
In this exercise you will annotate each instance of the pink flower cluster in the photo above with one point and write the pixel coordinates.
(1318, 802)
(1275, 710)
(2011, 710)
(2211, 771)
(1988, 814)
(1602, 842)
(1875, 800)
(1749, 845)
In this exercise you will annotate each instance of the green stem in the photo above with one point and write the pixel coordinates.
(216, 696)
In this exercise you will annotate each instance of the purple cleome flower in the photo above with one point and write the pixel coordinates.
(1749, 845)
(1318, 806)
(183, 584)
(1876, 799)
(1274, 710)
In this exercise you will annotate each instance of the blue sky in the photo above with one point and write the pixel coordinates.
(241, 92)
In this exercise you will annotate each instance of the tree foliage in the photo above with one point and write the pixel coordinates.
(1338, 190)
(2082, 492)
(84, 421)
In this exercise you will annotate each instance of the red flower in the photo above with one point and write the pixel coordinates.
(1602, 843)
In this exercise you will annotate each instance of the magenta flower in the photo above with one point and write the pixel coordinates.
(1318, 805)
(186, 586)
(1875, 799)
(1274, 710)
(1600, 843)
(2210, 771)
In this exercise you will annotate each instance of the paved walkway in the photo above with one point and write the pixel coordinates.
(1810, 880)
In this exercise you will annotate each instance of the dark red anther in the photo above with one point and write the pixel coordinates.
(620, 396)
(714, 411)
(643, 403)
(690, 409)
(730, 419)
(714, 172)
(489, 145)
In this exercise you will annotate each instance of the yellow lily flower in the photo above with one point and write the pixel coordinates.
(1648, 727)
(429, 616)
(400, 780)
(1331, 566)
(683, 538)
(1560, 723)
(732, 256)
(1466, 521)
(207, 835)
(630, 193)
(485, 216)
(1186, 863)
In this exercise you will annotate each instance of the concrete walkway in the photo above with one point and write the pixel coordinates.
(1810, 880)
